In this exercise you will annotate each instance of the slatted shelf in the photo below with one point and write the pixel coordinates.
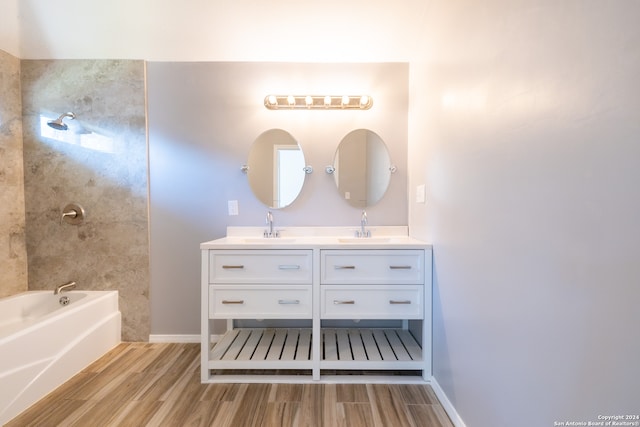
(370, 349)
(340, 348)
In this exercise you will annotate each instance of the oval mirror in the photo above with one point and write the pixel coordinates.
(276, 168)
(362, 168)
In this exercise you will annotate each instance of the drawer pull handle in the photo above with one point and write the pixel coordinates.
(399, 302)
(400, 267)
(345, 267)
(288, 301)
(339, 302)
(233, 301)
(289, 267)
(231, 267)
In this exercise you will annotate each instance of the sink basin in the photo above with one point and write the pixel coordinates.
(269, 240)
(364, 240)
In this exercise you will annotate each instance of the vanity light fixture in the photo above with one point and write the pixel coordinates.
(318, 102)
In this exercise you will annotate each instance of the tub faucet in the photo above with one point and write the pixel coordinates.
(363, 232)
(64, 287)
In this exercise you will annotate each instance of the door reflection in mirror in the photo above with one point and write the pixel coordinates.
(276, 168)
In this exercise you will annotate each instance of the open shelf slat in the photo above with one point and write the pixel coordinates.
(339, 344)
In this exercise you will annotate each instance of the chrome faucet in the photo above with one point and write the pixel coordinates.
(64, 287)
(363, 232)
(269, 221)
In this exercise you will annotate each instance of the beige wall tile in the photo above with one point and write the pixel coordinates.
(13, 256)
(100, 162)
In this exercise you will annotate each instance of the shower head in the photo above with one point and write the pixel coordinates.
(59, 124)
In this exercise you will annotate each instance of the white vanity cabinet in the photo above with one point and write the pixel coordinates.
(374, 284)
(260, 284)
(337, 308)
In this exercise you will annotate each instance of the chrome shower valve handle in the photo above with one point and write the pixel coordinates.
(72, 214)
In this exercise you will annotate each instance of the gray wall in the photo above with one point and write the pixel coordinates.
(203, 118)
(529, 143)
(110, 250)
(13, 254)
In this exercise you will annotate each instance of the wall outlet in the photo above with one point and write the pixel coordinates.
(421, 193)
(233, 207)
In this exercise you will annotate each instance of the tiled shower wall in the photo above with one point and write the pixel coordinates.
(13, 256)
(99, 163)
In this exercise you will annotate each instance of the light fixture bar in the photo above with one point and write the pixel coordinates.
(318, 102)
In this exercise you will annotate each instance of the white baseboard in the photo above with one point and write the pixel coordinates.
(446, 404)
(175, 338)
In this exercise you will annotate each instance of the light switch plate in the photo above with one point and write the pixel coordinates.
(233, 207)
(421, 193)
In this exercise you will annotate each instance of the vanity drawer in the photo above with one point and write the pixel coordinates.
(260, 266)
(372, 302)
(251, 302)
(377, 267)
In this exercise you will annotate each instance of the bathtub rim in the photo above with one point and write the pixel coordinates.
(92, 298)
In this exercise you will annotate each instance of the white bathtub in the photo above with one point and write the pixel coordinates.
(43, 344)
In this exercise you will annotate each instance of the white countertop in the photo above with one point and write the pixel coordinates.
(392, 237)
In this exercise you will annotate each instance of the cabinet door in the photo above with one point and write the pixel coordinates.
(260, 266)
(376, 267)
(259, 302)
(372, 302)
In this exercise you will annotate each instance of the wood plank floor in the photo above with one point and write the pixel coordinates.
(142, 384)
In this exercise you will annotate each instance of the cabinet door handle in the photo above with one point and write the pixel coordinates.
(399, 301)
(400, 267)
(289, 267)
(288, 301)
(231, 267)
(233, 301)
(345, 267)
(339, 302)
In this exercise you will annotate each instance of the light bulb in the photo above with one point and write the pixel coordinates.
(345, 100)
(327, 100)
(308, 100)
(272, 100)
(364, 100)
(291, 100)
